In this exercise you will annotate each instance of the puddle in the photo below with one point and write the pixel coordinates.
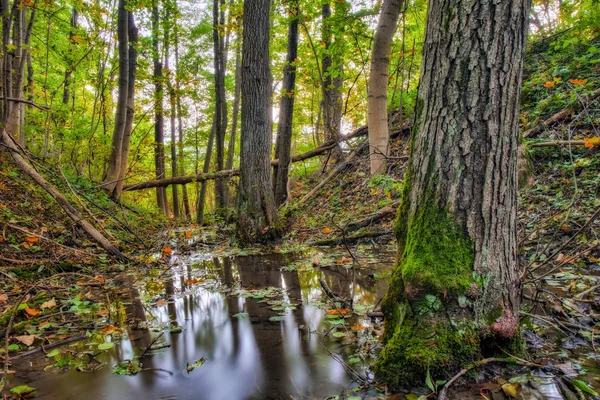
(263, 332)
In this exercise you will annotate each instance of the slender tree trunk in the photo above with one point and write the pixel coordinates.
(125, 144)
(379, 136)
(114, 163)
(236, 106)
(159, 123)
(201, 204)
(69, 72)
(286, 114)
(454, 297)
(220, 100)
(186, 200)
(257, 214)
(173, 144)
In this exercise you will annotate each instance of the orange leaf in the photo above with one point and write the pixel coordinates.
(188, 234)
(109, 329)
(327, 231)
(358, 327)
(591, 142)
(31, 311)
(336, 311)
(32, 239)
(577, 81)
(549, 84)
(167, 251)
(161, 302)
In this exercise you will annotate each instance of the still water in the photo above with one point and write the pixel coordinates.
(263, 331)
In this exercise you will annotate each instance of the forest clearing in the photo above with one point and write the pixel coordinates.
(256, 199)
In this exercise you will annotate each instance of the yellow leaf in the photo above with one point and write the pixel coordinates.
(49, 304)
(512, 390)
(549, 84)
(591, 142)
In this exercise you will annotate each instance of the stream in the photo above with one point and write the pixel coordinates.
(259, 325)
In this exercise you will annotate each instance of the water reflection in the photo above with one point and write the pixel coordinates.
(248, 357)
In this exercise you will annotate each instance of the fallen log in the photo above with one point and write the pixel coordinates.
(387, 211)
(558, 143)
(349, 239)
(75, 215)
(323, 148)
(559, 116)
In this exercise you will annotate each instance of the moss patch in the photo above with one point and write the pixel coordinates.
(415, 348)
(437, 252)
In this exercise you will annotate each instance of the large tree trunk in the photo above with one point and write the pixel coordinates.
(256, 209)
(220, 100)
(159, 121)
(379, 136)
(283, 145)
(454, 296)
(114, 163)
(125, 144)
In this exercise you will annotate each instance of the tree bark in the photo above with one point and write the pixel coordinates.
(69, 72)
(283, 144)
(236, 107)
(173, 144)
(454, 296)
(257, 214)
(378, 85)
(114, 162)
(200, 205)
(126, 142)
(186, 200)
(220, 101)
(159, 122)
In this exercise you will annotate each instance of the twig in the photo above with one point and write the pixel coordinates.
(149, 347)
(49, 347)
(25, 231)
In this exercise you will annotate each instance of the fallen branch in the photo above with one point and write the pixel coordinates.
(60, 199)
(335, 241)
(49, 347)
(558, 143)
(559, 116)
(387, 211)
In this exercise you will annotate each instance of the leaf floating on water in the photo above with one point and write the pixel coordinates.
(240, 315)
(277, 318)
(195, 364)
(53, 353)
(22, 390)
(175, 330)
(128, 368)
(109, 329)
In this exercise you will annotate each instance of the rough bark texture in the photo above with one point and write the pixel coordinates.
(69, 72)
(379, 136)
(455, 293)
(114, 162)
(236, 108)
(172, 116)
(283, 145)
(201, 202)
(256, 208)
(159, 122)
(186, 200)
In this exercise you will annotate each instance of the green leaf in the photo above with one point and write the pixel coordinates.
(13, 347)
(54, 353)
(276, 318)
(584, 387)
(241, 315)
(106, 345)
(429, 382)
(22, 389)
(339, 334)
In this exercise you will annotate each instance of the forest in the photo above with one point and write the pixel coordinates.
(290, 199)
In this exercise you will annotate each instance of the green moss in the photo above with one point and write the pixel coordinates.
(415, 348)
(437, 252)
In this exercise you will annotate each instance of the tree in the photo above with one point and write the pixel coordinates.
(220, 100)
(159, 121)
(454, 296)
(379, 135)
(172, 109)
(256, 209)
(286, 113)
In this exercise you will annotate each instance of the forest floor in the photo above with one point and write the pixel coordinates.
(64, 289)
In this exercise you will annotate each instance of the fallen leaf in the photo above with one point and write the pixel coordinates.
(577, 81)
(337, 311)
(3, 298)
(31, 312)
(549, 84)
(49, 304)
(167, 251)
(27, 340)
(512, 390)
(591, 142)
(108, 329)
(194, 281)
(327, 231)
(32, 239)
(161, 302)
(188, 234)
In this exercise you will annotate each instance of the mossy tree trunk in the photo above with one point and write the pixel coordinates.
(257, 214)
(454, 296)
